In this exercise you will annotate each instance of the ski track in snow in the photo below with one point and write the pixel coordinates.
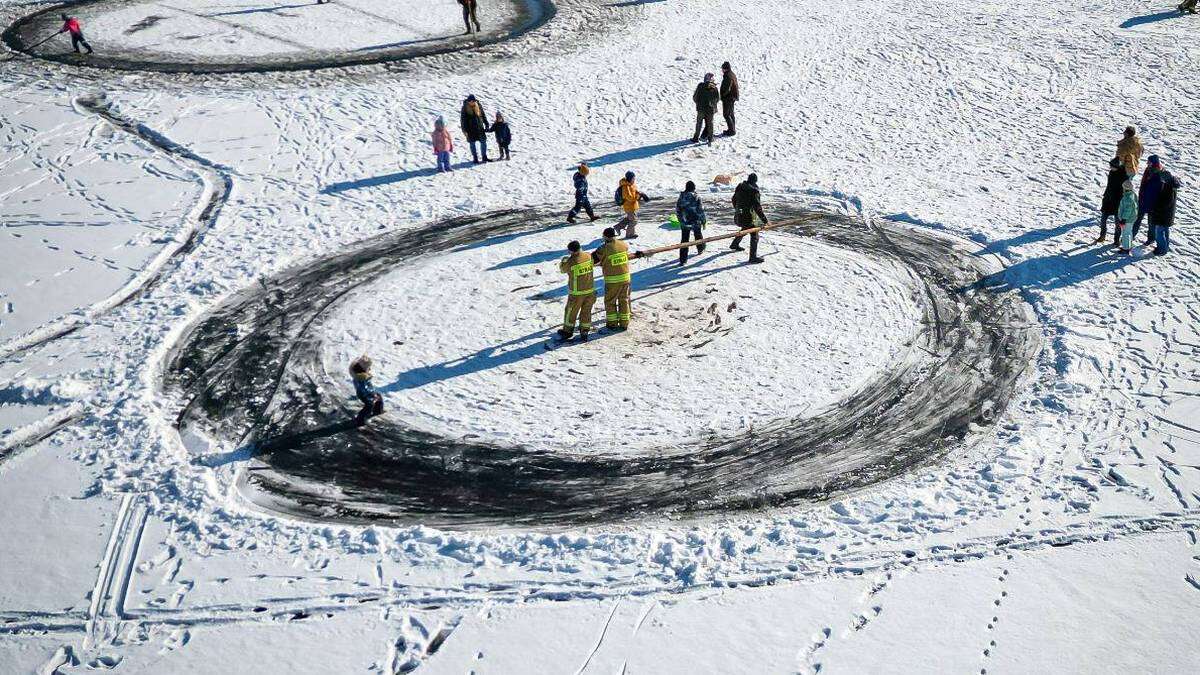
(906, 110)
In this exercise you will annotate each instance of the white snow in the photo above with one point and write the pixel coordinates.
(991, 122)
(470, 359)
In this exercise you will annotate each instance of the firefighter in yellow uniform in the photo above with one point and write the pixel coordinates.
(581, 292)
(613, 258)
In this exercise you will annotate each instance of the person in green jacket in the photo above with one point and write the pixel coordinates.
(1127, 212)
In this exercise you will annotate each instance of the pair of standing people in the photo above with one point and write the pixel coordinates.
(747, 207)
(579, 266)
(474, 123)
(706, 97)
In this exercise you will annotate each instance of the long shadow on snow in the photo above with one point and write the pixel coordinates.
(252, 371)
(1136, 21)
(1055, 271)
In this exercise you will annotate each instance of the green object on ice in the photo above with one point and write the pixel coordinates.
(673, 222)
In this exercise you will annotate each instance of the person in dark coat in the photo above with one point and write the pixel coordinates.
(705, 97)
(503, 135)
(470, 7)
(1162, 213)
(1112, 199)
(1147, 194)
(582, 203)
(473, 121)
(729, 96)
(747, 204)
(692, 220)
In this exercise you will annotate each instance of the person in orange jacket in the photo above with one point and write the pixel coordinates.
(630, 201)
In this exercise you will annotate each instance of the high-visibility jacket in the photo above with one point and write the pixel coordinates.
(630, 197)
(613, 257)
(578, 268)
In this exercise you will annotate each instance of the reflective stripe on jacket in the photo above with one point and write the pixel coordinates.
(578, 268)
(613, 257)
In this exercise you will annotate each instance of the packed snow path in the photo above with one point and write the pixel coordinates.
(255, 368)
(227, 36)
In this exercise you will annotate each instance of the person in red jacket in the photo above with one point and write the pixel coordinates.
(71, 25)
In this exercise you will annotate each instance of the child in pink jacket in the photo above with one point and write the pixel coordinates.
(443, 145)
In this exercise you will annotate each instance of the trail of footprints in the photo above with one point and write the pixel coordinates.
(868, 610)
(994, 619)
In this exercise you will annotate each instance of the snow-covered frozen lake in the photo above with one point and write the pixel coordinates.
(1057, 533)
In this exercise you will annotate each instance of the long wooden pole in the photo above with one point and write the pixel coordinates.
(730, 235)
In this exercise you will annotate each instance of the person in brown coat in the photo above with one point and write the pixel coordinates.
(729, 96)
(1129, 151)
(469, 14)
(706, 96)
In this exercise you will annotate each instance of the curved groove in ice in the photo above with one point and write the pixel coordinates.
(251, 370)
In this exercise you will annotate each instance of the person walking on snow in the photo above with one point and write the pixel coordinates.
(1129, 151)
(1147, 195)
(360, 372)
(630, 200)
(1126, 215)
(747, 204)
(503, 135)
(469, 8)
(581, 292)
(1112, 198)
(729, 96)
(475, 127)
(582, 203)
(692, 220)
(1162, 212)
(705, 97)
(443, 145)
(71, 25)
(613, 258)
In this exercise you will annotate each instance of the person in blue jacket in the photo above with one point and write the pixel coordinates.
(1147, 195)
(503, 135)
(582, 203)
(1162, 212)
(692, 220)
(360, 372)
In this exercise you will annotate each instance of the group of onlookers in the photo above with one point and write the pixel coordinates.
(1153, 202)
(706, 97)
(475, 126)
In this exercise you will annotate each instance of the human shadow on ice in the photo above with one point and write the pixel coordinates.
(539, 257)
(633, 3)
(1052, 272)
(257, 10)
(1003, 245)
(385, 179)
(1136, 21)
(406, 43)
(635, 153)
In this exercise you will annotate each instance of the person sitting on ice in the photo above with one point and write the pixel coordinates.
(71, 25)
(360, 372)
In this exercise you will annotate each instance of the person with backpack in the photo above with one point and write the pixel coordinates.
(443, 145)
(71, 25)
(705, 97)
(629, 199)
(1112, 198)
(747, 204)
(692, 220)
(503, 135)
(473, 121)
(1127, 212)
(360, 373)
(1162, 212)
(470, 9)
(582, 203)
(730, 93)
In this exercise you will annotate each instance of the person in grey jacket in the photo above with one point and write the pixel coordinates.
(692, 220)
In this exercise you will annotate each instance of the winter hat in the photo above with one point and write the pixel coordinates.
(499, 117)
(708, 77)
(1128, 185)
(752, 179)
(725, 66)
(470, 97)
(1153, 161)
(1130, 131)
(66, 18)
(609, 233)
(583, 168)
(440, 121)
(573, 246)
(689, 187)
(628, 175)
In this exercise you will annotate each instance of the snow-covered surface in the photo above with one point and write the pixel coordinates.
(828, 317)
(255, 29)
(1065, 535)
